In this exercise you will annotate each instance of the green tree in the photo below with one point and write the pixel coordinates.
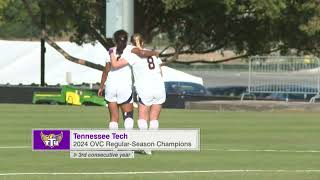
(14, 21)
(80, 19)
(250, 27)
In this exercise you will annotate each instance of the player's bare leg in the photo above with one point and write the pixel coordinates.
(127, 113)
(143, 116)
(143, 112)
(126, 107)
(154, 116)
(114, 115)
(142, 122)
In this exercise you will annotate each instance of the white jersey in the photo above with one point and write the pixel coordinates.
(119, 81)
(120, 76)
(147, 78)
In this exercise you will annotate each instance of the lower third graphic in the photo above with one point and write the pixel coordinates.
(51, 139)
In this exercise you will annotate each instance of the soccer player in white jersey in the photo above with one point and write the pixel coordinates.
(148, 82)
(118, 83)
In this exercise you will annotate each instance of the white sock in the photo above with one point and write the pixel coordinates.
(113, 125)
(142, 124)
(128, 123)
(154, 124)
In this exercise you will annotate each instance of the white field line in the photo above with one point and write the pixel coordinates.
(263, 150)
(208, 149)
(14, 147)
(167, 172)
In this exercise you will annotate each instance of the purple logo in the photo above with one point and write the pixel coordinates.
(51, 139)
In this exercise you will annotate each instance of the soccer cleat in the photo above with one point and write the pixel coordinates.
(147, 152)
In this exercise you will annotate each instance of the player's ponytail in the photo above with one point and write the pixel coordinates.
(137, 40)
(120, 38)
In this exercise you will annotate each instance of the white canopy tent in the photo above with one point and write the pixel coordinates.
(170, 74)
(20, 63)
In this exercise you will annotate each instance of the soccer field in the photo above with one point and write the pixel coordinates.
(234, 145)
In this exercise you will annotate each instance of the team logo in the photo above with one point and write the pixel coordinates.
(51, 140)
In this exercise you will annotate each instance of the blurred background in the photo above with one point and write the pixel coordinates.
(206, 47)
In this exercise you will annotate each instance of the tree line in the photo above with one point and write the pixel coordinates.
(249, 27)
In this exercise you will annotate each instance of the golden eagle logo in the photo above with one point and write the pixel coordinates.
(51, 140)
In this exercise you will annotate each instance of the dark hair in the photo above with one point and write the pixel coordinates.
(120, 38)
(137, 40)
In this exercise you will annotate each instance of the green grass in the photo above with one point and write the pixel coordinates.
(220, 131)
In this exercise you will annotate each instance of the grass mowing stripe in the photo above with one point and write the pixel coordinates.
(264, 150)
(266, 141)
(204, 149)
(169, 172)
(15, 147)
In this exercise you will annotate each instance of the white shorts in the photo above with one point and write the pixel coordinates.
(119, 94)
(151, 98)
